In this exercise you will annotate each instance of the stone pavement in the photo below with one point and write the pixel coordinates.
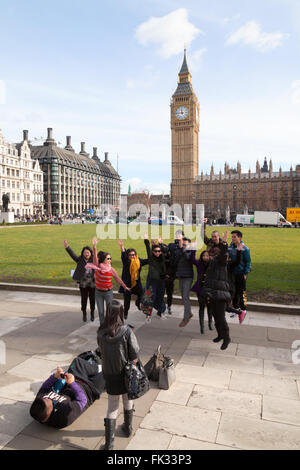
(247, 397)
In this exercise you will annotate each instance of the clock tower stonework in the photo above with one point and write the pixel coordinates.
(185, 131)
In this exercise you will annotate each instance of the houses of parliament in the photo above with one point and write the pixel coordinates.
(226, 193)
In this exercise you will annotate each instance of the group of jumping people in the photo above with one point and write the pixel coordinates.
(222, 273)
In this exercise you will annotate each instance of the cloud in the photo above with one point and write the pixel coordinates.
(296, 92)
(137, 184)
(170, 32)
(251, 34)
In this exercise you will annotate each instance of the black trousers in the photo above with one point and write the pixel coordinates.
(169, 285)
(240, 296)
(87, 292)
(218, 311)
(136, 290)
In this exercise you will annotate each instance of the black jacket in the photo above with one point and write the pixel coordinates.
(216, 285)
(184, 267)
(80, 271)
(171, 257)
(157, 265)
(115, 352)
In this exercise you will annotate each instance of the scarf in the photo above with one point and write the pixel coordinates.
(134, 268)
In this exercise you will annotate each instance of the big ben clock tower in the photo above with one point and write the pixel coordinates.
(185, 130)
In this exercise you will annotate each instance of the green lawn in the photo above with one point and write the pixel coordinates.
(36, 255)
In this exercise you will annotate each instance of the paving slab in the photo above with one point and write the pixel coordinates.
(178, 394)
(281, 369)
(14, 416)
(206, 346)
(202, 375)
(34, 367)
(4, 439)
(16, 388)
(263, 352)
(7, 325)
(229, 401)
(193, 357)
(264, 385)
(282, 410)
(23, 442)
(183, 443)
(12, 359)
(245, 364)
(283, 335)
(145, 439)
(183, 421)
(256, 434)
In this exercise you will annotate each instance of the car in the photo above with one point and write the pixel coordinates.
(155, 221)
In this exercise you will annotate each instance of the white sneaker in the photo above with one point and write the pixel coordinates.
(163, 316)
(148, 319)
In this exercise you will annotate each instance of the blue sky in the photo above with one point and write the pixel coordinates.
(104, 72)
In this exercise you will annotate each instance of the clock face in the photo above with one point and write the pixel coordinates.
(182, 112)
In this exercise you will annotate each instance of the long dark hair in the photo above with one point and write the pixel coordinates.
(201, 256)
(101, 256)
(114, 318)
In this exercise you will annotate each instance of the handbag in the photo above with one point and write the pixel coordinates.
(136, 380)
(166, 374)
(154, 364)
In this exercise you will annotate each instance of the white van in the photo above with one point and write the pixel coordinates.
(174, 220)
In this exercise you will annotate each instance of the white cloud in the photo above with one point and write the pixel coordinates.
(138, 184)
(251, 34)
(296, 92)
(171, 32)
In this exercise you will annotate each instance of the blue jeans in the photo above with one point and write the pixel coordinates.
(101, 297)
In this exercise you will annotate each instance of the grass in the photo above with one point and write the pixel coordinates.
(36, 255)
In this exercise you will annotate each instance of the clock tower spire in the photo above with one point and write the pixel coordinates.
(184, 130)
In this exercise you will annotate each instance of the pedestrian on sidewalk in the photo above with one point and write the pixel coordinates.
(155, 284)
(241, 271)
(104, 272)
(118, 345)
(84, 278)
(170, 252)
(185, 275)
(216, 288)
(201, 265)
(131, 276)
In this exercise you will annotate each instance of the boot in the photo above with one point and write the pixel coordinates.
(225, 343)
(92, 316)
(217, 339)
(84, 315)
(201, 320)
(127, 425)
(110, 427)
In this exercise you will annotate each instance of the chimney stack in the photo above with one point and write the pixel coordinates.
(69, 145)
(106, 156)
(95, 152)
(49, 140)
(25, 135)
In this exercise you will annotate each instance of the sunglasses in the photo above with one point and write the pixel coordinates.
(108, 258)
(156, 251)
(132, 254)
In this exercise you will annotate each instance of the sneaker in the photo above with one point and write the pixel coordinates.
(242, 316)
(148, 319)
(163, 316)
(169, 311)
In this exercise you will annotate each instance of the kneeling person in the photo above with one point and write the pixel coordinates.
(60, 408)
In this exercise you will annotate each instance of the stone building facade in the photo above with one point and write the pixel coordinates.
(227, 193)
(75, 183)
(21, 178)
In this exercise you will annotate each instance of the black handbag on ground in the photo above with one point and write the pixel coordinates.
(136, 380)
(154, 365)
